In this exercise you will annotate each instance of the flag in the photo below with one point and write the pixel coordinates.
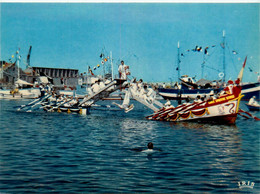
(206, 50)
(90, 71)
(199, 49)
(196, 47)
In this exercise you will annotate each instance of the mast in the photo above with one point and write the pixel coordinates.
(112, 72)
(202, 67)
(224, 57)
(28, 57)
(178, 62)
(18, 65)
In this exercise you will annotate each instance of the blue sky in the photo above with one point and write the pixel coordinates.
(144, 35)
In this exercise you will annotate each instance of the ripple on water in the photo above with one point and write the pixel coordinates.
(50, 152)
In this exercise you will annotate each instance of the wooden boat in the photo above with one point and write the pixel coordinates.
(222, 110)
(79, 110)
(253, 107)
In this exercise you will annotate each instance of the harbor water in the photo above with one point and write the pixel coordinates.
(103, 152)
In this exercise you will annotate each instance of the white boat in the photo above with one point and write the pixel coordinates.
(25, 93)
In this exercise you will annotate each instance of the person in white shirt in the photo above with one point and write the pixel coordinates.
(52, 99)
(95, 87)
(197, 99)
(122, 69)
(101, 84)
(168, 104)
(150, 95)
(252, 101)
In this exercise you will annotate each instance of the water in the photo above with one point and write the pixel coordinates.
(68, 153)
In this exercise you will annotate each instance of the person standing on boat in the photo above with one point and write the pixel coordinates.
(140, 88)
(42, 90)
(150, 94)
(228, 89)
(253, 102)
(123, 70)
(198, 99)
(101, 84)
(95, 87)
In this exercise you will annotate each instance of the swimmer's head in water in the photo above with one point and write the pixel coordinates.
(150, 145)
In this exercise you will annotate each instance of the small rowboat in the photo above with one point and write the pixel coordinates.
(253, 107)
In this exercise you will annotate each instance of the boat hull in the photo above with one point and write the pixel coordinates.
(78, 110)
(223, 110)
(252, 107)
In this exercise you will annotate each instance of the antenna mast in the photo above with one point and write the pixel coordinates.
(224, 62)
(112, 71)
(178, 62)
(28, 57)
(18, 65)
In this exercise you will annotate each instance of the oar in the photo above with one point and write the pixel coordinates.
(25, 105)
(196, 104)
(187, 108)
(171, 113)
(163, 112)
(243, 115)
(257, 119)
(58, 105)
(38, 102)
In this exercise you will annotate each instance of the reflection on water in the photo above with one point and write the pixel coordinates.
(51, 152)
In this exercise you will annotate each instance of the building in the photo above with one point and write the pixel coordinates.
(59, 77)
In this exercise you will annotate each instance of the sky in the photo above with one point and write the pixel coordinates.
(144, 35)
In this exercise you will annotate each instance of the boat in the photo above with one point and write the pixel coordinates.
(252, 107)
(222, 109)
(248, 90)
(189, 88)
(59, 109)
